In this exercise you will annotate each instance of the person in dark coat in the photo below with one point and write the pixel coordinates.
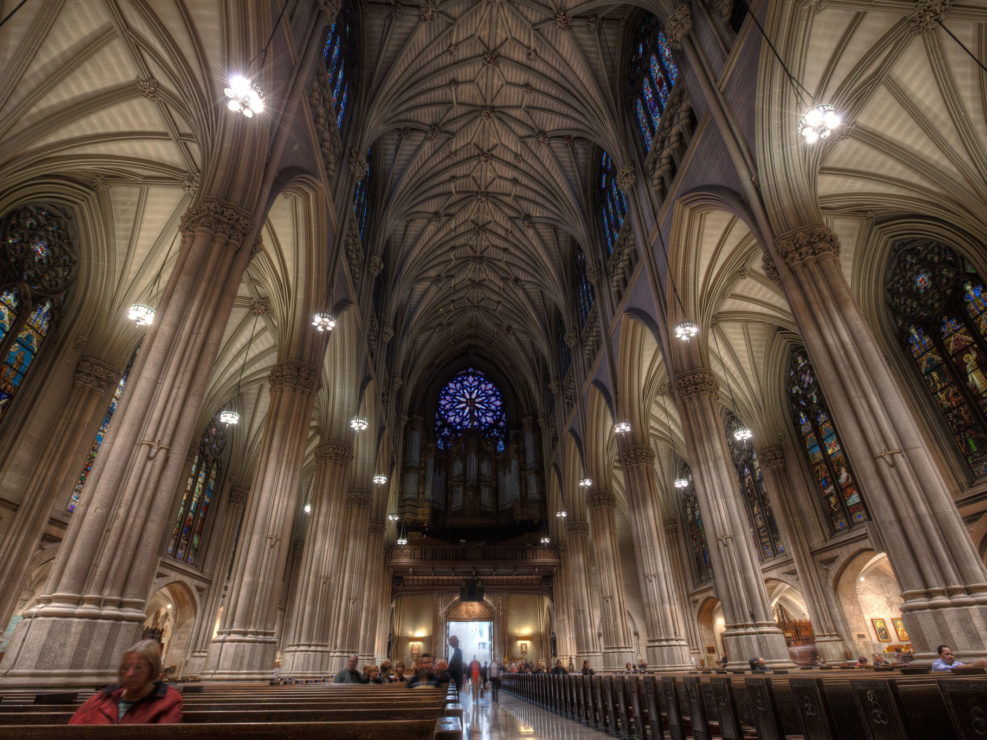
(456, 667)
(139, 699)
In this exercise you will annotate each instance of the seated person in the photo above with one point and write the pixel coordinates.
(587, 669)
(862, 661)
(946, 661)
(371, 674)
(558, 669)
(139, 699)
(399, 676)
(424, 675)
(442, 675)
(642, 666)
(758, 665)
(349, 674)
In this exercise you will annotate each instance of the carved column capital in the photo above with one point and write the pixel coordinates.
(626, 177)
(96, 375)
(330, 8)
(601, 500)
(696, 382)
(334, 451)
(771, 458)
(375, 265)
(770, 268)
(637, 454)
(807, 244)
(679, 25)
(358, 499)
(576, 527)
(238, 496)
(671, 526)
(376, 526)
(295, 374)
(358, 166)
(218, 218)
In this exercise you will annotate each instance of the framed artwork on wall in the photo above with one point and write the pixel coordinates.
(881, 630)
(899, 627)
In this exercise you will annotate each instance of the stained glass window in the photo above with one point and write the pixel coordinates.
(338, 53)
(361, 202)
(830, 466)
(584, 290)
(613, 203)
(100, 434)
(190, 519)
(565, 354)
(937, 299)
(767, 541)
(470, 401)
(38, 262)
(698, 548)
(652, 75)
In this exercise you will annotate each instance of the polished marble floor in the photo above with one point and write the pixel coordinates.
(510, 717)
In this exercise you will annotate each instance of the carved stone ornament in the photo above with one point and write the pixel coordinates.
(219, 218)
(807, 244)
(593, 272)
(330, 8)
(695, 382)
(626, 177)
(148, 87)
(927, 13)
(95, 375)
(640, 454)
(601, 500)
(428, 11)
(295, 374)
(375, 265)
(335, 451)
(562, 19)
(358, 166)
(238, 496)
(576, 527)
(358, 499)
(771, 458)
(190, 183)
(542, 138)
(376, 526)
(770, 268)
(679, 26)
(594, 23)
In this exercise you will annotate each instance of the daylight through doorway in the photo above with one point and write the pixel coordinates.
(474, 639)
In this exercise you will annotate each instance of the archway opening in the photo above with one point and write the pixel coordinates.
(472, 622)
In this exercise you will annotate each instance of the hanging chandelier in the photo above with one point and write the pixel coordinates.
(585, 482)
(380, 479)
(686, 330)
(141, 314)
(323, 321)
(359, 424)
(681, 483)
(622, 427)
(243, 96)
(818, 123)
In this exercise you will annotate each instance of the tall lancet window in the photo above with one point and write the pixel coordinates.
(339, 54)
(702, 566)
(203, 480)
(584, 290)
(940, 306)
(470, 401)
(652, 75)
(821, 443)
(613, 204)
(767, 541)
(361, 202)
(37, 267)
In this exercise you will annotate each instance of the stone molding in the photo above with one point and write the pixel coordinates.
(696, 382)
(807, 244)
(771, 457)
(295, 374)
(335, 451)
(95, 375)
(330, 8)
(576, 527)
(679, 25)
(671, 526)
(770, 268)
(358, 499)
(626, 178)
(238, 496)
(218, 217)
(602, 499)
(638, 454)
(927, 14)
(376, 526)
(358, 166)
(375, 265)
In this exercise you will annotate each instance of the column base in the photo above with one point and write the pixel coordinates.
(196, 664)
(594, 658)
(831, 648)
(616, 658)
(668, 655)
(338, 660)
(65, 644)
(765, 640)
(241, 656)
(958, 621)
(304, 660)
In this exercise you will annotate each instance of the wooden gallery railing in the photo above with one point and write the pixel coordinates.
(738, 706)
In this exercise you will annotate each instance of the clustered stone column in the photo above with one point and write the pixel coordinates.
(220, 553)
(617, 647)
(245, 645)
(576, 531)
(306, 651)
(828, 642)
(677, 566)
(348, 597)
(666, 648)
(374, 560)
(942, 577)
(94, 599)
(750, 628)
(54, 475)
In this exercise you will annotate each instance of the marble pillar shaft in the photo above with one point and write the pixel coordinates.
(244, 646)
(944, 584)
(371, 601)
(95, 595)
(55, 474)
(679, 570)
(308, 628)
(750, 627)
(582, 612)
(667, 648)
(617, 644)
(347, 620)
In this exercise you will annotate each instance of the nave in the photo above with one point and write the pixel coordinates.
(510, 717)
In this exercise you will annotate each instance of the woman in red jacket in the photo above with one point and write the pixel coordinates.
(139, 699)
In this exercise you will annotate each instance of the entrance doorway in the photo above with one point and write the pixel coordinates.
(474, 640)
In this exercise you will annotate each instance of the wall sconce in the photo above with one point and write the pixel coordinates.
(523, 647)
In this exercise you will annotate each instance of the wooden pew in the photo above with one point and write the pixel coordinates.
(418, 729)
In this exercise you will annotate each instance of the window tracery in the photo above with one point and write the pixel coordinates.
(823, 447)
(702, 566)
(37, 267)
(767, 540)
(468, 401)
(361, 201)
(190, 520)
(339, 55)
(613, 203)
(584, 290)
(652, 74)
(939, 304)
